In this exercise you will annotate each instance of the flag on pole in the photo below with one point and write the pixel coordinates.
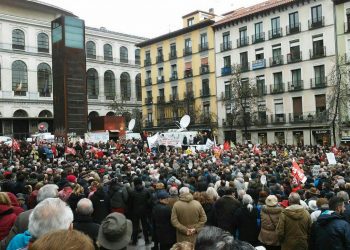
(256, 150)
(15, 145)
(70, 151)
(227, 145)
(297, 172)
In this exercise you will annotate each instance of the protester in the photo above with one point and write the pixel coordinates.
(7, 215)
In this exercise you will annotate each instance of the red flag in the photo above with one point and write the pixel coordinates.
(15, 145)
(256, 150)
(335, 150)
(93, 149)
(298, 173)
(227, 146)
(70, 151)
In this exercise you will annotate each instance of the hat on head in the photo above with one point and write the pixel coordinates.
(115, 231)
(312, 205)
(159, 186)
(162, 194)
(271, 201)
(314, 191)
(72, 178)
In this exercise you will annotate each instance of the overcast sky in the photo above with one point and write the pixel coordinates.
(146, 18)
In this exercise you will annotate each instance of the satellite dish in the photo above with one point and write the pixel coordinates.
(43, 126)
(185, 121)
(131, 124)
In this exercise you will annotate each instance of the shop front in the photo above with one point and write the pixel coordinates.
(322, 137)
(298, 138)
(262, 138)
(280, 138)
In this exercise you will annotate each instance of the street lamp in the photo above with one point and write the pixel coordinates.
(310, 118)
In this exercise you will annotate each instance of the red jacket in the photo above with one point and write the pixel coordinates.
(7, 219)
(15, 204)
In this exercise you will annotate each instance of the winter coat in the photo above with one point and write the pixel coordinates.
(164, 230)
(15, 204)
(224, 213)
(20, 241)
(293, 228)
(74, 199)
(118, 195)
(269, 221)
(7, 219)
(101, 204)
(239, 184)
(247, 225)
(85, 224)
(330, 231)
(209, 212)
(187, 213)
(140, 201)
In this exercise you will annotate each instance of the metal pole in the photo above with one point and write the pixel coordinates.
(310, 132)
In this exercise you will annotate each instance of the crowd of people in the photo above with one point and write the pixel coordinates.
(108, 195)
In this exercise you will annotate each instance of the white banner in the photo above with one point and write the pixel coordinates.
(331, 158)
(94, 137)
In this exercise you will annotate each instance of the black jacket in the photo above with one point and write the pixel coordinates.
(247, 225)
(224, 213)
(118, 195)
(331, 231)
(85, 224)
(164, 230)
(140, 201)
(74, 199)
(101, 204)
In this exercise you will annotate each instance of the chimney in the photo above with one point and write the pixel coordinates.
(211, 11)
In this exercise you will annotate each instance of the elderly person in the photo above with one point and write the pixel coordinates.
(188, 216)
(7, 215)
(270, 214)
(49, 215)
(21, 223)
(294, 225)
(83, 221)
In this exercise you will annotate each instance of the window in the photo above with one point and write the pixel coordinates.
(244, 60)
(205, 87)
(260, 85)
(138, 88)
(91, 50)
(160, 78)
(173, 72)
(188, 46)
(243, 39)
(296, 79)
(161, 92)
(295, 54)
(294, 21)
(160, 55)
(123, 51)
(228, 90)
(259, 54)
(137, 57)
(318, 49)
(259, 33)
(44, 80)
(174, 93)
(319, 75)
(316, 14)
(277, 78)
(43, 43)
(148, 61)
(18, 39)
(172, 51)
(226, 43)
(277, 58)
(204, 42)
(227, 61)
(109, 85)
(320, 103)
(279, 112)
(206, 111)
(19, 78)
(297, 108)
(107, 52)
(190, 21)
(125, 86)
(92, 84)
(275, 27)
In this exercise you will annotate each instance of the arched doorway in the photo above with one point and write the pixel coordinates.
(91, 115)
(20, 124)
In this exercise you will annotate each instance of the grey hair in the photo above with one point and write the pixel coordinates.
(294, 198)
(248, 201)
(49, 215)
(212, 193)
(241, 193)
(184, 190)
(173, 191)
(85, 207)
(344, 195)
(47, 191)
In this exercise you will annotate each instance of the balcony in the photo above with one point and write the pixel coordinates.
(205, 92)
(148, 81)
(244, 67)
(137, 61)
(318, 52)
(187, 51)
(294, 57)
(225, 46)
(258, 38)
(160, 79)
(346, 27)
(261, 120)
(225, 96)
(147, 62)
(174, 97)
(189, 95)
(295, 85)
(277, 88)
(276, 61)
(276, 33)
(160, 59)
(161, 99)
(261, 90)
(259, 64)
(318, 82)
(204, 69)
(173, 76)
(225, 71)
(278, 118)
(172, 55)
(299, 117)
(148, 100)
(188, 73)
(148, 124)
(243, 41)
(316, 23)
(203, 46)
(293, 29)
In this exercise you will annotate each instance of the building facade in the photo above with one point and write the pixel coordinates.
(178, 76)
(286, 49)
(113, 68)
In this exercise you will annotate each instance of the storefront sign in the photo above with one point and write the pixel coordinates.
(320, 132)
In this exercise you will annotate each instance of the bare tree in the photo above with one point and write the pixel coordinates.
(118, 106)
(242, 101)
(338, 97)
